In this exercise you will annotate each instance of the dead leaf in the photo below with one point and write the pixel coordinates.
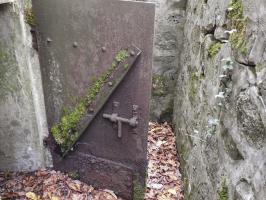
(55, 198)
(110, 192)
(32, 196)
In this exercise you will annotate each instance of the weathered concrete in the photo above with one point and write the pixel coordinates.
(222, 138)
(167, 48)
(22, 114)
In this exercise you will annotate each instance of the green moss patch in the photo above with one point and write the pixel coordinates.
(139, 190)
(259, 67)
(121, 56)
(8, 72)
(214, 49)
(65, 132)
(223, 193)
(158, 85)
(29, 16)
(192, 85)
(3, 65)
(239, 23)
(74, 174)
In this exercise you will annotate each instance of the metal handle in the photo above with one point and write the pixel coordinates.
(133, 122)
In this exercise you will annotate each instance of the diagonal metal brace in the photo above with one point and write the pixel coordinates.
(105, 92)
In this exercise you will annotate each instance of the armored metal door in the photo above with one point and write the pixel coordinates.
(96, 58)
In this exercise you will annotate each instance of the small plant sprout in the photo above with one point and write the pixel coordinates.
(231, 31)
(220, 95)
(213, 122)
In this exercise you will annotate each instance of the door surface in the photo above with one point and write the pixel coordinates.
(96, 59)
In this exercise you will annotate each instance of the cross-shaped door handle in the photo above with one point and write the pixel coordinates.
(133, 121)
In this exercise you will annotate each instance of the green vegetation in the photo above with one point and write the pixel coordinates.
(29, 16)
(158, 85)
(139, 190)
(213, 49)
(223, 193)
(7, 72)
(193, 82)
(259, 67)
(74, 174)
(3, 66)
(121, 56)
(65, 132)
(239, 23)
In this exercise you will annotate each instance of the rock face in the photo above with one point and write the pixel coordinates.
(167, 48)
(220, 112)
(22, 113)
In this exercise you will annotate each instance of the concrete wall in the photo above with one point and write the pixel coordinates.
(22, 113)
(222, 139)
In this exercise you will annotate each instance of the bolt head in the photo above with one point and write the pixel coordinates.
(75, 44)
(135, 107)
(132, 53)
(48, 40)
(103, 49)
(116, 104)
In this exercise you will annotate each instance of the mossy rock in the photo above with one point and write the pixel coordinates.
(238, 22)
(29, 16)
(8, 70)
(192, 84)
(223, 193)
(158, 85)
(214, 49)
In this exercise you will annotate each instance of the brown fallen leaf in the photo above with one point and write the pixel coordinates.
(32, 196)
(44, 184)
(163, 181)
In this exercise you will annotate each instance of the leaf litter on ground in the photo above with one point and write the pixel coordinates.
(163, 180)
(48, 185)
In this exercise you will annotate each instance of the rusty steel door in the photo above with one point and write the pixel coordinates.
(96, 59)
